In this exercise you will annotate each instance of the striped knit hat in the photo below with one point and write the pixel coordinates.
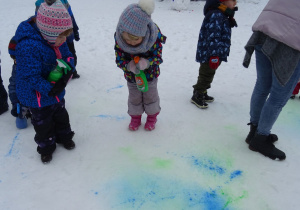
(52, 20)
(136, 17)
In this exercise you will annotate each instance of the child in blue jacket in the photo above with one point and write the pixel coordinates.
(74, 35)
(213, 45)
(41, 41)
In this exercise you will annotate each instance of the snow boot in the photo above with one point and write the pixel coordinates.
(208, 98)
(151, 121)
(46, 152)
(66, 140)
(199, 100)
(46, 158)
(293, 96)
(272, 137)
(263, 145)
(135, 122)
(75, 75)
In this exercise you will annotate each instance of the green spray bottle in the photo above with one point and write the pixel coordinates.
(140, 78)
(57, 73)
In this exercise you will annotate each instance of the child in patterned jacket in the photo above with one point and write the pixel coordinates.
(138, 35)
(213, 45)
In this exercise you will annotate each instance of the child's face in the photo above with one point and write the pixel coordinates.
(230, 3)
(60, 40)
(130, 41)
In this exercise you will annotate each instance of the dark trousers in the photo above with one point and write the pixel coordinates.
(73, 51)
(3, 95)
(205, 78)
(51, 124)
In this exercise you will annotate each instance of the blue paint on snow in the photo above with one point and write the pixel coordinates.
(117, 87)
(103, 116)
(146, 191)
(235, 174)
(12, 145)
(208, 164)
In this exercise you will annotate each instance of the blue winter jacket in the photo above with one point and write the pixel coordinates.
(214, 37)
(35, 60)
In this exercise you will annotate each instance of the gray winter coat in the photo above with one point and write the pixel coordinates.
(277, 30)
(280, 20)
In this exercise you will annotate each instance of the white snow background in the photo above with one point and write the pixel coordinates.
(195, 159)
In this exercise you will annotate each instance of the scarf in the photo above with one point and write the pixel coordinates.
(147, 43)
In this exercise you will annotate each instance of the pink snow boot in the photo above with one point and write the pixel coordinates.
(150, 123)
(135, 122)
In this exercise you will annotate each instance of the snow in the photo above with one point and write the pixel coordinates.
(194, 159)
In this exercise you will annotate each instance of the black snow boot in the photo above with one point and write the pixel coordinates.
(46, 152)
(272, 137)
(46, 158)
(66, 140)
(208, 98)
(75, 75)
(263, 145)
(199, 100)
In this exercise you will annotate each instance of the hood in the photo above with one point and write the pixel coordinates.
(209, 5)
(27, 31)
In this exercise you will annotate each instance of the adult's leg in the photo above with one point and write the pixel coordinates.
(262, 86)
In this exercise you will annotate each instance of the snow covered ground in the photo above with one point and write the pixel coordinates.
(195, 159)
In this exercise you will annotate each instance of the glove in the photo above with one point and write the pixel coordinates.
(131, 66)
(143, 64)
(214, 62)
(60, 85)
(76, 36)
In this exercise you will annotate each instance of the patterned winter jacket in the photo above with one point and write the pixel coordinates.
(154, 56)
(68, 7)
(214, 37)
(35, 60)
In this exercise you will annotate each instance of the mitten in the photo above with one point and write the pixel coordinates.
(143, 64)
(131, 66)
(214, 62)
(60, 85)
(76, 36)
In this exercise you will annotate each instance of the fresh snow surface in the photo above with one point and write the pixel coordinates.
(195, 159)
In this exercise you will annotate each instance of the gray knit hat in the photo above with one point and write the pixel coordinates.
(136, 17)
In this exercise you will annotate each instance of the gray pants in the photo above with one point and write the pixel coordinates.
(139, 102)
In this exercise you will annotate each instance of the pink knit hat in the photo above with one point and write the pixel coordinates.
(53, 20)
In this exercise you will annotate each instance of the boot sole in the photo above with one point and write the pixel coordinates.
(201, 107)
(269, 156)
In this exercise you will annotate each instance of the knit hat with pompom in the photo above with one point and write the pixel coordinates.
(136, 17)
(52, 20)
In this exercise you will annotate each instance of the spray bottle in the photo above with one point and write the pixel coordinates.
(140, 78)
(57, 73)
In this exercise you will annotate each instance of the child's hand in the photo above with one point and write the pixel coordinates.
(214, 62)
(132, 67)
(143, 64)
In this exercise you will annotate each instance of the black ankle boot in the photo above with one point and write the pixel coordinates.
(272, 137)
(66, 140)
(46, 158)
(199, 100)
(263, 145)
(208, 98)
